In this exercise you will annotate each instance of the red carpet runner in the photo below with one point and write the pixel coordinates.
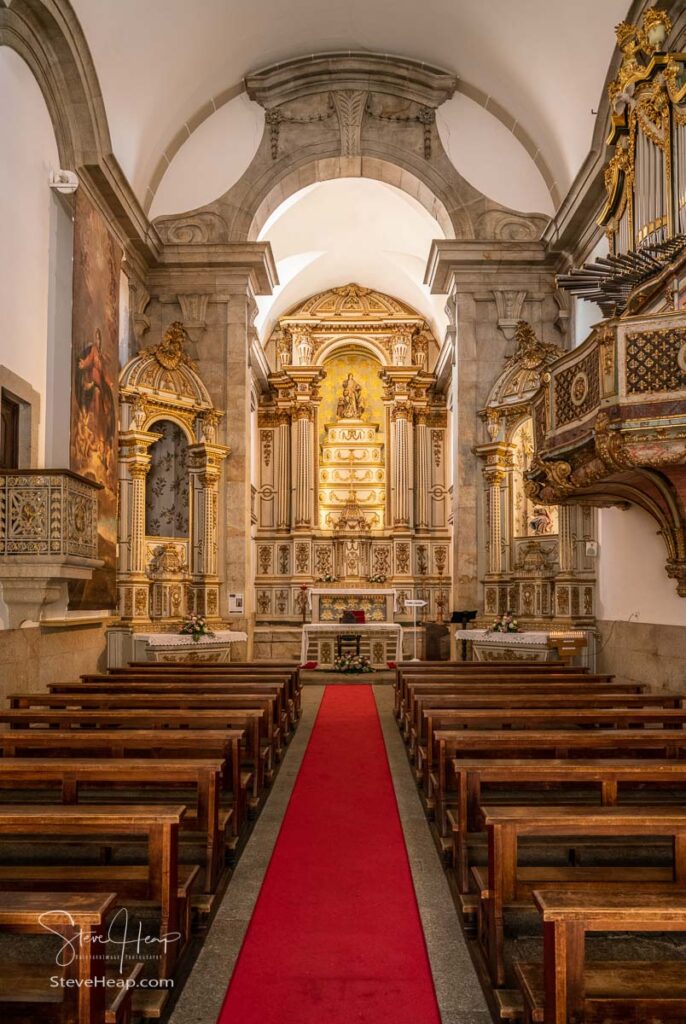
(336, 937)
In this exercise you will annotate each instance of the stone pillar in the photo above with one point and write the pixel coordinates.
(283, 471)
(474, 274)
(422, 471)
(230, 274)
(303, 467)
(401, 414)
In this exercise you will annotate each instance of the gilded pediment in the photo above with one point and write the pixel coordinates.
(353, 302)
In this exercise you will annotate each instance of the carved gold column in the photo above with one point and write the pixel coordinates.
(401, 416)
(423, 472)
(133, 584)
(494, 477)
(283, 471)
(204, 467)
(303, 469)
(566, 542)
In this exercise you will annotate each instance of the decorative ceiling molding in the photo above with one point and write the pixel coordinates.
(383, 73)
(352, 72)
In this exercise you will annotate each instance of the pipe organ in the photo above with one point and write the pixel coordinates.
(645, 177)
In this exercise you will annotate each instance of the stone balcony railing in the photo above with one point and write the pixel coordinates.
(48, 535)
(610, 425)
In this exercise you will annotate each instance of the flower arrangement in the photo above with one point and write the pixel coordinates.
(505, 624)
(195, 626)
(328, 577)
(378, 577)
(352, 663)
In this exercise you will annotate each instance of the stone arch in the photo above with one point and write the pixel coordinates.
(48, 36)
(350, 115)
(282, 186)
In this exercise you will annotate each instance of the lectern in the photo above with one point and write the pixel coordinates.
(463, 619)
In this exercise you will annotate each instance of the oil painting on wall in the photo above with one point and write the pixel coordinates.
(95, 372)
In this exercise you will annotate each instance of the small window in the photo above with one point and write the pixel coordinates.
(9, 431)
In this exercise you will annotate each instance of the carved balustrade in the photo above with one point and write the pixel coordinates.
(48, 536)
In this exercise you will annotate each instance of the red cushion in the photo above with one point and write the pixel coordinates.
(359, 616)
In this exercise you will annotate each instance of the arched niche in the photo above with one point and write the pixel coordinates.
(167, 512)
(170, 466)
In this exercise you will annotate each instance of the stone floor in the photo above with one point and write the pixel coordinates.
(460, 998)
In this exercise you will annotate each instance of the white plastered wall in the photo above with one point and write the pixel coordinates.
(632, 582)
(28, 153)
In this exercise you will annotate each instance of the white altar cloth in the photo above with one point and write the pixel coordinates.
(223, 636)
(484, 636)
(531, 645)
(182, 647)
(334, 628)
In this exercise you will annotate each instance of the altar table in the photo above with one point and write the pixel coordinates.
(177, 647)
(381, 642)
(525, 646)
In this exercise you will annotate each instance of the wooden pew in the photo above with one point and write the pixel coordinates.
(201, 680)
(605, 776)
(550, 743)
(74, 775)
(507, 679)
(533, 719)
(155, 743)
(564, 988)
(157, 824)
(507, 825)
(79, 919)
(519, 700)
(531, 688)
(250, 720)
(189, 688)
(85, 700)
(253, 670)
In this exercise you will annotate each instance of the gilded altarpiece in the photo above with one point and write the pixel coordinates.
(352, 488)
(535, 555)
(170, 465)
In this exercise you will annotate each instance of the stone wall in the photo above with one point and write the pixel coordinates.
(31, 658)
(644, 652)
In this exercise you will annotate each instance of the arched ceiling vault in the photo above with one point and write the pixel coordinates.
(162, 81)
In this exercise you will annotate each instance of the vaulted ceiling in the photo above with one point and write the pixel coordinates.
(534, 69)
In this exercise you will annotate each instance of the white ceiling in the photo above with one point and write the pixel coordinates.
(160, 61)
(350, 229)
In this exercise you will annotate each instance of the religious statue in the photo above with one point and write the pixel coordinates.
(541, 521)
(350, 405)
